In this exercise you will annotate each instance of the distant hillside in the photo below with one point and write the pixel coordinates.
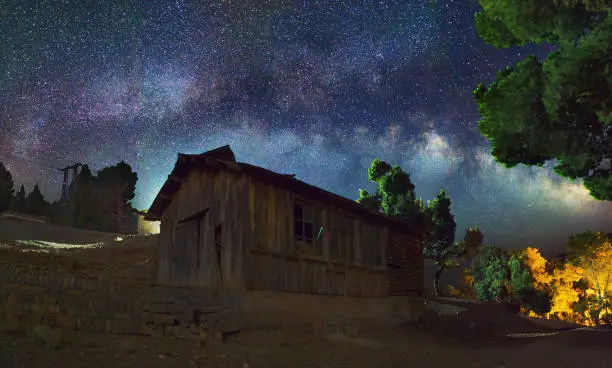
(17, 229)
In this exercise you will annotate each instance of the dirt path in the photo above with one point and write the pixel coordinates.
(397, 349)
(473, 337)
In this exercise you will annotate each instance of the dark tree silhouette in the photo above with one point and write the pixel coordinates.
(20, 203)
(36, 203)
(6, 188)
(116, 186)
(85, 205)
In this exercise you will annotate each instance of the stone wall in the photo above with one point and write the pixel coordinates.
(65, 301)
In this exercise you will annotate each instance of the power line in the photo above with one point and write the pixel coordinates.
(45, 166)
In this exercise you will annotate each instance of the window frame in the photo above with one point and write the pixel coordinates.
(303, 222)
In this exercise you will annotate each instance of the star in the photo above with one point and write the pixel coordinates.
(316, 89)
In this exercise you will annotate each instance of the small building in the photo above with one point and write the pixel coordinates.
(239, 226)
(140, 226)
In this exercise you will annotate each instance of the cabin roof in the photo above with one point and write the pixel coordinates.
(223, 158)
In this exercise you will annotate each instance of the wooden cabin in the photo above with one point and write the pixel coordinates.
(235, 225)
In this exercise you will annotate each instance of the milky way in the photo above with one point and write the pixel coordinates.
(295, 86)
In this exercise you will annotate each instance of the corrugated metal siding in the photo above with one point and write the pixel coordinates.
(405, 265)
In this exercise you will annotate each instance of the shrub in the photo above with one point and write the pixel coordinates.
(537, 301)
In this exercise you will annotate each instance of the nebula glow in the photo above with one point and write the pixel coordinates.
(297, 87)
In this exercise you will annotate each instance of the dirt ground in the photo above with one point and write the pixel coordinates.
(408, 346)
(465, 335)
(80, 251)
(11, 229)
(474, 337)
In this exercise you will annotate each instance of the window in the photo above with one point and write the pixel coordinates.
(307, 229)
(303, 226)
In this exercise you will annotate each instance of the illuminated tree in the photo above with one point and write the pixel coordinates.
(524, 289)
(592, 5)
(582, 245)
(440, 246)
(565, 293)
(490, 273)
(537, 267)
(465, 252)
(598, 273)
(465, 288)
(395, 196)
(394, 192)
(559, 109)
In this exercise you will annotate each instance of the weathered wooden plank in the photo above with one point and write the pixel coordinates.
(252, 199)
(252, 214)
(287, 230)
(357, 242)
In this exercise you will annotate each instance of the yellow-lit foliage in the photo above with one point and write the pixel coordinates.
(560, 282)
(537, 266)
(594, 267)
(598, 271)
(455, 292)
(564, 293)
(465, 289)
(598, 274)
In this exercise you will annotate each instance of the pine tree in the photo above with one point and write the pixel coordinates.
(20, 204)
(116, 187)
(36, 203)
(84, 201)
(6, 188)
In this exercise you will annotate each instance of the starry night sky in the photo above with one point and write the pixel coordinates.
(294, 86)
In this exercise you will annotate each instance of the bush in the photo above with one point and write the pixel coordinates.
(606, 320)
(490, 273)
(537, 301)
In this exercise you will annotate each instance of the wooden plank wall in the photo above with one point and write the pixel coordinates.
(259, 251)
(414, 265)
(275, 262)
(220, 199)
(276, 272)
(405, 264)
